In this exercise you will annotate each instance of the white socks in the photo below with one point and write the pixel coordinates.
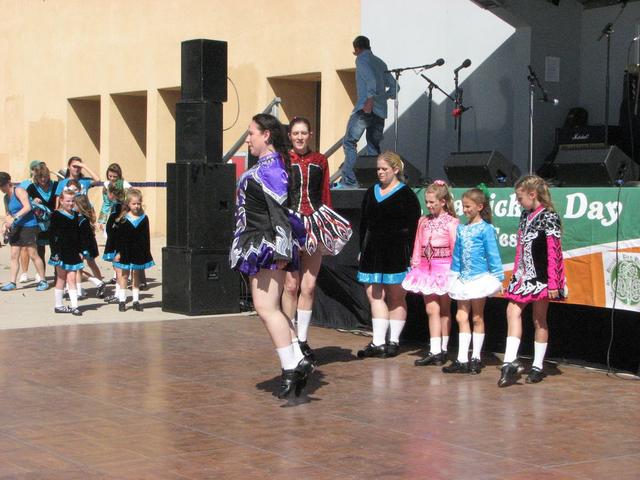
(296, 350)
(478, 340)
(58, 295)
(136, 294)
(73, 298)
(434, 345)
(122, 295)
(304, 319)
(78, 289)
(539, 349)
(380, 326)
(395, 329)
(511, 350)
(445, 343)
(464, 340)
(287, 357)
(96, 282)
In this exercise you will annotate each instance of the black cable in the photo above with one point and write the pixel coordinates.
(238, 109)
(627, 87)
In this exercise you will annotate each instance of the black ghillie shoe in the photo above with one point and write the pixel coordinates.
(535, 376)
(475, 366)
(372, 350)
(430, 359)
(509, 374)
(393, 349)
(122, 307)
(456, 367)
(137, 306)
(288, 384)
(306, 350)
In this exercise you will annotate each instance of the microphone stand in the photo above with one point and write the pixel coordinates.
(457, 125)
(533, 84)
(432, 85)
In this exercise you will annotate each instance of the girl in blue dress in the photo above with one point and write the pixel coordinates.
(476, 273)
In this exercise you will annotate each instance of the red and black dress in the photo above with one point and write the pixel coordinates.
(310, 198)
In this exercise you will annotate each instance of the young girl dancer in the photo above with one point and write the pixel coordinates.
(114, 174)
(390, 213)
(116, 194)
(476, 274)
(263, 244)
(89, 245)
(538, 275)
(431, 263)
(327, 232)
(66, 248)
(133, 244)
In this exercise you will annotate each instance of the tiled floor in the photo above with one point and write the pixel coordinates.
(192, 399)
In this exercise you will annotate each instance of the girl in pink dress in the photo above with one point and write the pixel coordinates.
(538, 275)
(430, 265)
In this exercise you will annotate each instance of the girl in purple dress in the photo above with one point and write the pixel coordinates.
(538, 275)
(265, 244)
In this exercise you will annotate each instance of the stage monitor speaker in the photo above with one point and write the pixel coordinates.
(595, 166)
(204, 70)
(199, 282)
(468, 169)
(200, 205)
(198, 132)
(366, 173)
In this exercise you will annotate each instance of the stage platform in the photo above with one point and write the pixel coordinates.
(192, 399)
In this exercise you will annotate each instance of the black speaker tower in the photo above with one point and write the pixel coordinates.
(196, 278)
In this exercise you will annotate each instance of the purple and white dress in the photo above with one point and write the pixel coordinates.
(266, 232)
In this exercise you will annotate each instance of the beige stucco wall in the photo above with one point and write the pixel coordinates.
(98, 78)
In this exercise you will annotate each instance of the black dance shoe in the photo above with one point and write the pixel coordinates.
(122, 307)
(372, 350)
(430, 359)
(509, 374)
(76, 312)
(456, 367)
(393, 349)
(289, 380)
(137, 306)
(535, 376)
(306, 350)
(100, 290)
(475, 366)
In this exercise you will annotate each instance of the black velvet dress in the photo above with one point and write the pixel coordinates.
(111, 230)
(88, 238)
(387, 232)
(133, 243)
(65, 240)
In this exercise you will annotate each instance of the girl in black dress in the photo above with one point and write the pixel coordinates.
(89, 244)
(390, 213)
(116, 194)
(66, 248)
(133, 244)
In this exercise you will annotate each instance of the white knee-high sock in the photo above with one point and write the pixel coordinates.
(511, 350)
(478, 340)
(464, 340)
(380, 326)
(287, 357)
(95, 281)
(135, 292)
(304, 319)
(58, 296)
(116, 293)
(73, 298)
(445, 343)
(539, 349)
(296, 349)
(434, 345)
(395, 329)
(122, 295)
(79, 288)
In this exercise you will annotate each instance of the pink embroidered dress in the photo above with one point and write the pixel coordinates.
(431, 259)
(538, 266)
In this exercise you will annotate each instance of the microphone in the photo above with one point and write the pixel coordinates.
(465, 64)
(553, 101)
(437, 63)
(635, 39)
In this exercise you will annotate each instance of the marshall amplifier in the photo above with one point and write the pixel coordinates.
(587, 135)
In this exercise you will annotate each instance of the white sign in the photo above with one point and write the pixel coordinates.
(622, 280)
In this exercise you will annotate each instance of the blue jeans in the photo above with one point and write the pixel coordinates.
(358, 123)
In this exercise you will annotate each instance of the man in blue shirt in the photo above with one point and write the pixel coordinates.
(375, 86)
